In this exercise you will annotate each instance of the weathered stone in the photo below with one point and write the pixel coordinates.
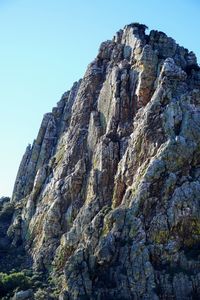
(23, 295)
(107, 198)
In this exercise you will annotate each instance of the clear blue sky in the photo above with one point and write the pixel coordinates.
(46, 45)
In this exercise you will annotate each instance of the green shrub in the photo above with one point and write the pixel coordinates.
(9, 282)
(4, 200)
(6, 212)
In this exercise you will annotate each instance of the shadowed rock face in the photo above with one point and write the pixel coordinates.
(108, 195)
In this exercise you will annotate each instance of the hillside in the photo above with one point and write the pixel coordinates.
(106, 203)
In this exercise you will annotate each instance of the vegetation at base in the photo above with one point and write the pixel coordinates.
(9, 282)
(43, 286)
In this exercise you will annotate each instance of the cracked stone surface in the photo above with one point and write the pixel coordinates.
(108, 195)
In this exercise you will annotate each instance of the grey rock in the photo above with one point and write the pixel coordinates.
(23, 295)
(108, 194)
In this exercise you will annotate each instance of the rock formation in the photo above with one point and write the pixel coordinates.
(107, 199)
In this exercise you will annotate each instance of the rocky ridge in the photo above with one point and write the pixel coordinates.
(107, 199)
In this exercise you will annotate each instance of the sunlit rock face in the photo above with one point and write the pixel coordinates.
(108, 196)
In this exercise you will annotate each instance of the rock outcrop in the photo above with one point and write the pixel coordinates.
(107, 199)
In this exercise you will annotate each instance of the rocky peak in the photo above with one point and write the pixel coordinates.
(107, 199)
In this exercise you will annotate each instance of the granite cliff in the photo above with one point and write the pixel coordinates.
(106, 203)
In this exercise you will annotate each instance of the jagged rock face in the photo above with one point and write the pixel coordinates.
(109, 193)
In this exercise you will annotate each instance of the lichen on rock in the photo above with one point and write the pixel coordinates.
(108, 195)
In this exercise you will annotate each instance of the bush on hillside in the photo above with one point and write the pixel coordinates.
(6, 212)
(9, 282)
